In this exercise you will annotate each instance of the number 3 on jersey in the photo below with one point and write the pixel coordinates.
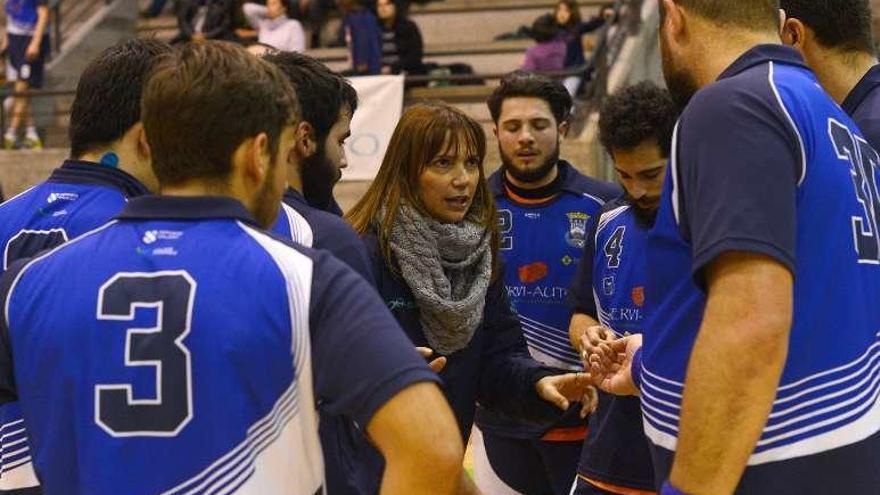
(864, 165)
(171, 293)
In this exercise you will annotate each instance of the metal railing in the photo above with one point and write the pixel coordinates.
(65, 15)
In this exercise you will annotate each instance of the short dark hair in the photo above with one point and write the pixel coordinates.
(322, 93)
(545, 29)
(108, 96)
(522, 84)
(842, 24)
(202, 102)
(749, 14)
(635, 115)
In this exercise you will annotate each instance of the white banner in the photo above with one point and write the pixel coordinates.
(380, 103)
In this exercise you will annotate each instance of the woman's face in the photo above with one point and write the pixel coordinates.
(386, 10)
(563, 14)
(448, 183)
(275, 9)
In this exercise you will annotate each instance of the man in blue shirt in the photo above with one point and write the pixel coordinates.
(110, 163)
(545, 208)
(758, 369)
(836, 40)
(26, 43)
(192, 353)
(608, 291)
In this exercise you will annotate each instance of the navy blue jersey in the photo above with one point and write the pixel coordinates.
(347, 453)
(863, 105)
(76, 198)
(610, 287)
(192, 354)
(311, 227)
(541, 245)
(765, 162)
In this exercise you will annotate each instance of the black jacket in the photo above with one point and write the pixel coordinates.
(410, 48)
(494, 369)
(218, 21)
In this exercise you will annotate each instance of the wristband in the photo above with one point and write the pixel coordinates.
(636, 368)
(668, 489)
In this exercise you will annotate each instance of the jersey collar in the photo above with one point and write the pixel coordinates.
(82, 172)
(572, 183)
(292, 196)
(869, 81)
(185, 208)
(762, 54)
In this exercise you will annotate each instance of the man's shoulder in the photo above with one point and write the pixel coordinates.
(593, 189)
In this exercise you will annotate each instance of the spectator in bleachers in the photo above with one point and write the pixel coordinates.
(155, 9)
(313, 13)
(402, 46)
(363, 36)
(548, 53)
(568, 17)
(27, 45)
(274, 27)
(200, 20)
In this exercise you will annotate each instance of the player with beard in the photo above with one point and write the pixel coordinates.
(760, 357)
(318, 154)
(243, 335)
(608, 293)
(545, 207)
(835, 39)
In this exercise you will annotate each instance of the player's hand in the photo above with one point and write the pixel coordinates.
(33, 51)
(4, 43)
(611, 367)
(198, 37)
(562, 390)
(592, 338)
(436, 365)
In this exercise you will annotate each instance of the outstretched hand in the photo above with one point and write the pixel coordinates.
(611, 365)
(562, 390)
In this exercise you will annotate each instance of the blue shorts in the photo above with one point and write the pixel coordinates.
(18, 68)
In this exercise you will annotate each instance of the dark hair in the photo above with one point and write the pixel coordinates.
(575, 20)
(202, 102)
(749, 14)
(545, 29)
(522, 84)
(425, 130)
(322, 93)
(637, 114)
(108, 95)
(842, 24)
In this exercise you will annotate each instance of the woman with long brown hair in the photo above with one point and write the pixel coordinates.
(430, 225)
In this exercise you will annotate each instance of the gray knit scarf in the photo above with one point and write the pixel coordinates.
(447, 267)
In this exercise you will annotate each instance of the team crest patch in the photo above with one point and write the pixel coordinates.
(608, 286)
(533, 272)
(638, 296)
(577, 231)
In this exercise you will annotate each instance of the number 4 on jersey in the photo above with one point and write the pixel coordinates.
(614, 247)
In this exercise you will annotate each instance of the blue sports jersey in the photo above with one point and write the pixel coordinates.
(765, 162)
(77, 197)
(541, 245)
(191, 354)
(21, 15)
(610, 287)
(863, 105)
(315, 228)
